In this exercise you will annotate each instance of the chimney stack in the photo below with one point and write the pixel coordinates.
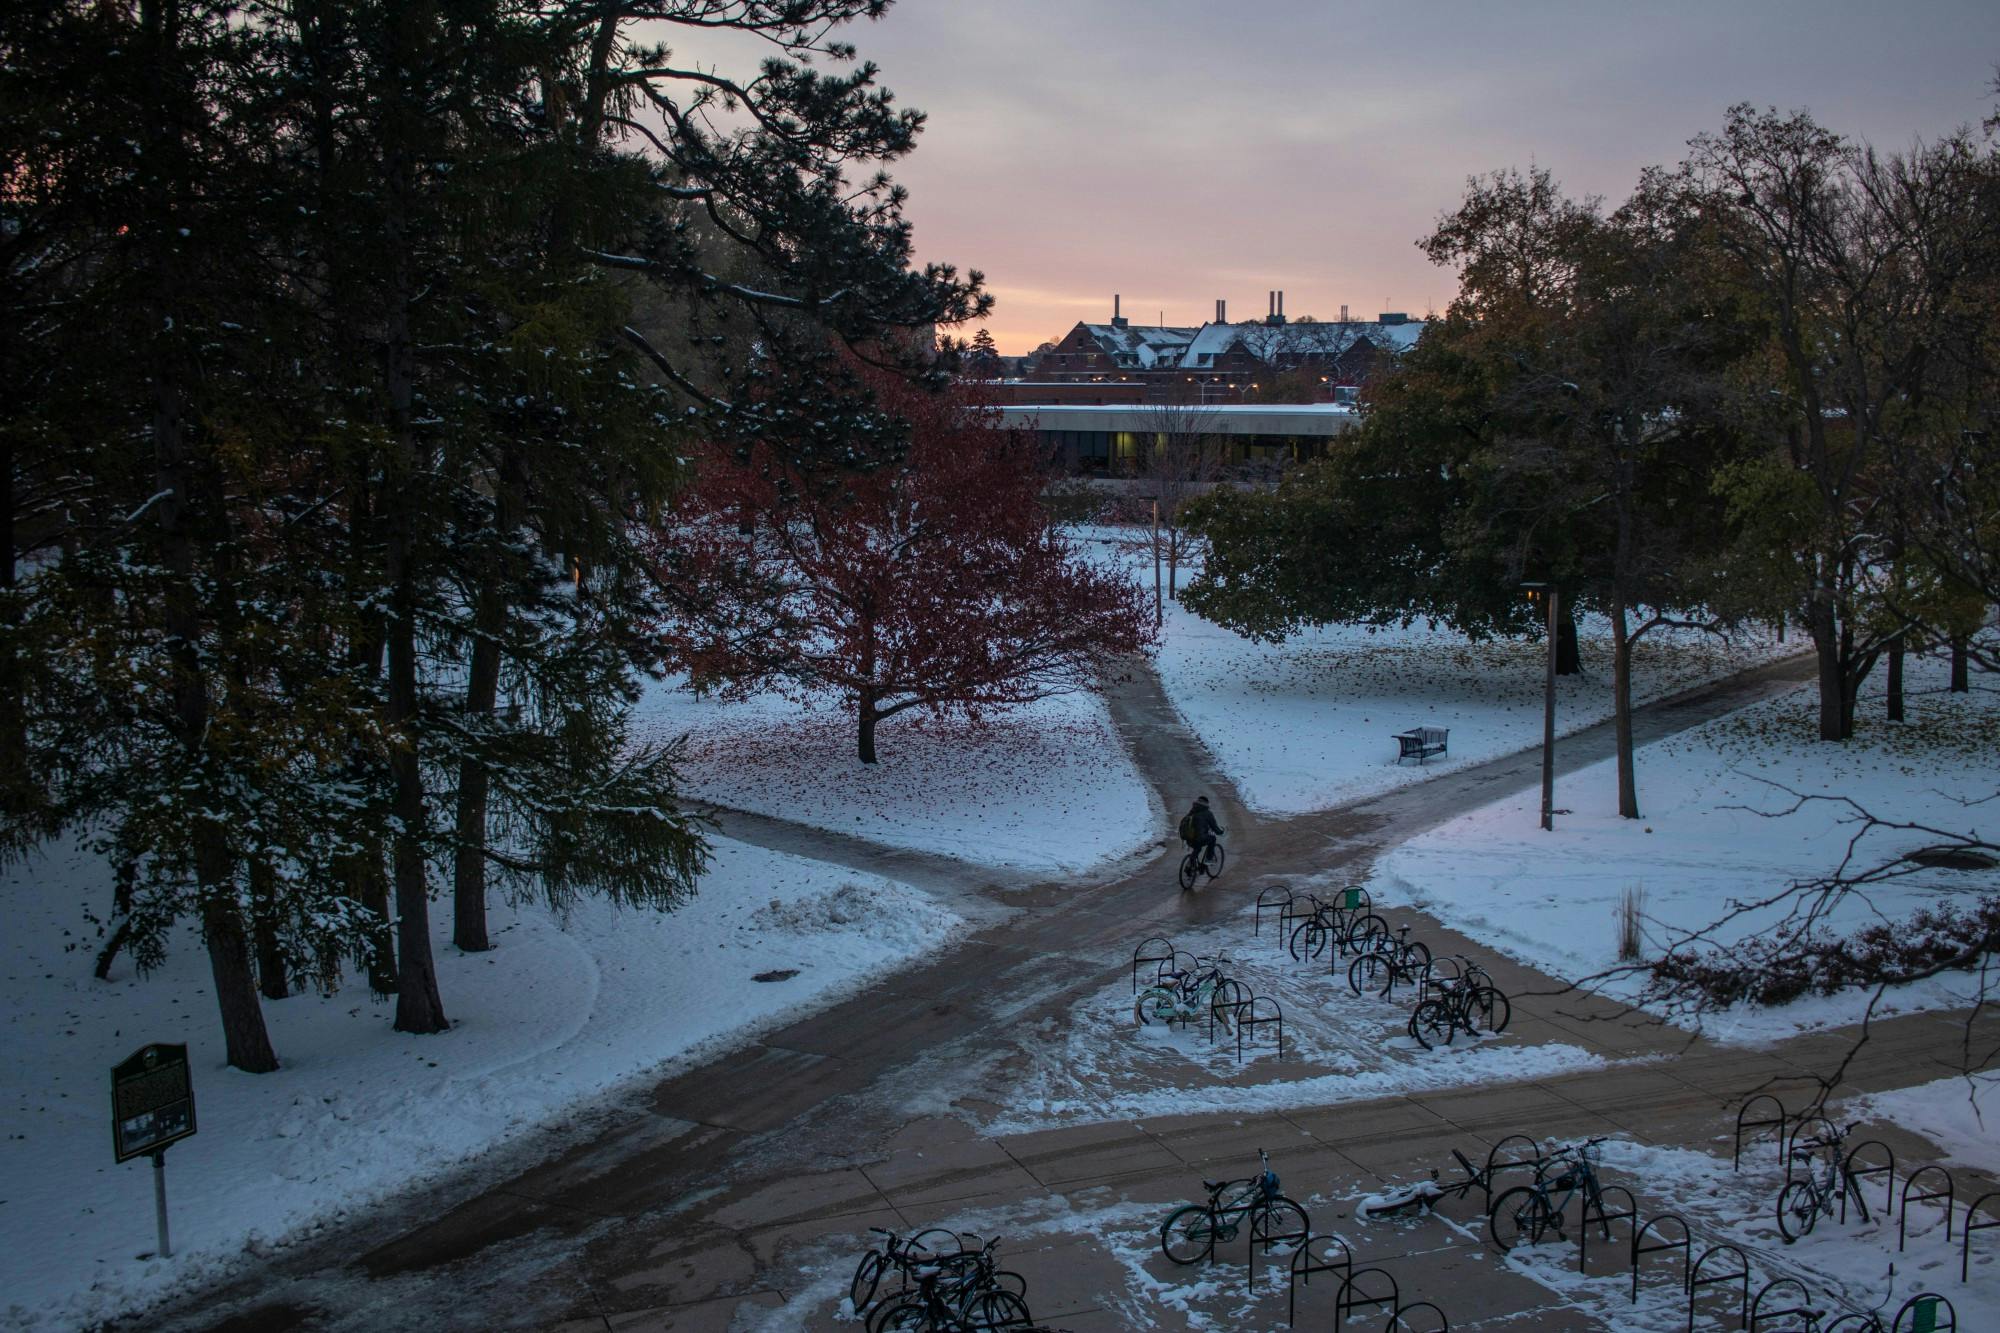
(1281, 306)
(1343, 314)
(1117, 314)
(1221, 311)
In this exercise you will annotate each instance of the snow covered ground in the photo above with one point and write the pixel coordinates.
(559, 1013)
(1706, 840)
(1339, 1048)
(1960, 1115)
(1309, 723)
(1047, 788)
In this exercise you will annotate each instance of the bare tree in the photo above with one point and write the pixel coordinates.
(1181, 458)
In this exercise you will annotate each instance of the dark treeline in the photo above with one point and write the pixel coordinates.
(351, 352)
(1761, 388)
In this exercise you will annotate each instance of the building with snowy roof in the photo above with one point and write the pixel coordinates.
(1219, 362)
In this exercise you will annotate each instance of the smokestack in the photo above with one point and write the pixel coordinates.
(1221, 311)
(1343, 314)
(1281, 305)
(1115, 299)
(1117, 311)
(1270, 304)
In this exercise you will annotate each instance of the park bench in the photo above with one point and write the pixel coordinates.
(1420, 743)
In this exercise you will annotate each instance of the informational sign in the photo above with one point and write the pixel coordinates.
(152, 1100)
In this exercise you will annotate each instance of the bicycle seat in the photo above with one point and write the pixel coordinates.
(1213, 1185)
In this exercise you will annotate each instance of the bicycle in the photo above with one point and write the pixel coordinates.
(1387, 962)
(1465, 1002)
(965, 1292)
(1805, 1197)
(1180, 997)
(1347, 923)
(1526, 1213)
(1190, 1233)
(905, 1256)
(1194, 865)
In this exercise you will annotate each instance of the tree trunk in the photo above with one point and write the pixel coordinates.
(468, 871)
(16, 792)
(1621, 701)
(1569, 658)
(868, 719)
(1832, 680)
(370, 886)
(419, 1008)
(1961, 676)
(121, 912)
(244, 1036)
(272, 981)
(1895, 682)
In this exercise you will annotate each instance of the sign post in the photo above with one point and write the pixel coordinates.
(152, 1107)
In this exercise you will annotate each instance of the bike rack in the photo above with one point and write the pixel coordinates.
(1494, 1168)
(1798, 1132)
(1929, 1196)
(1741, 1276)
(1217, 1004)
(1400, 1319)
(1640, 1249)
(1353, 1295)
(1744, 1123)
(1266, 898)
(1297, 908)
(1852, 1176)
(1251, 1016)
(1140, 955)
(1250, 1230)
(1859, 1322)
(1929, 1313)
(1972, 1224)
(1305, 1263)
(1802, 1306)
(1630, 1214)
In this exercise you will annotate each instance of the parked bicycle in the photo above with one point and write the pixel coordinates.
(1385, 963)
(1190, 1234)
(1457, 996)
(1347, 924)
(899, 1256)
(1201, 861)
(1185, 996)
(1819, 1190)
(966, 1292)
(1526, 1214)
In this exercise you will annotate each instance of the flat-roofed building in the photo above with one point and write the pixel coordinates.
(1113, 439)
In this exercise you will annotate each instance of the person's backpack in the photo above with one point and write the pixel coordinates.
(1187, 828)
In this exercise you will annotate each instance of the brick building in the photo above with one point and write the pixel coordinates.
(1217, 362)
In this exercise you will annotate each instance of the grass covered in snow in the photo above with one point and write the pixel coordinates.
(1047, 787)
(1309, 723)
(1715, 834)
(560, 1012)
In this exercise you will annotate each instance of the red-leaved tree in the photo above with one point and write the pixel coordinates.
(936, 584)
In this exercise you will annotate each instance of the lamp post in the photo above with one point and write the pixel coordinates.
(1547, 593)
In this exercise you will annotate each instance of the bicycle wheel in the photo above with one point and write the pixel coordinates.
(997, 1309)
(1487, 1011)
(906, 1311)
(1433, 1023)
(1189, 869)
(1188, 1236)
(1227, 1000)
(1417, 956)
(867, 1277)
(1216, 856)
(1366, 974)
(1521, 1216)
(1306, 938)
(1277, 1220)
(1365, 934)
(1798, 1210)
(1156, 1004)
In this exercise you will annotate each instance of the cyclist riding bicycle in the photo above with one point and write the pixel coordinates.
(1199, 829)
